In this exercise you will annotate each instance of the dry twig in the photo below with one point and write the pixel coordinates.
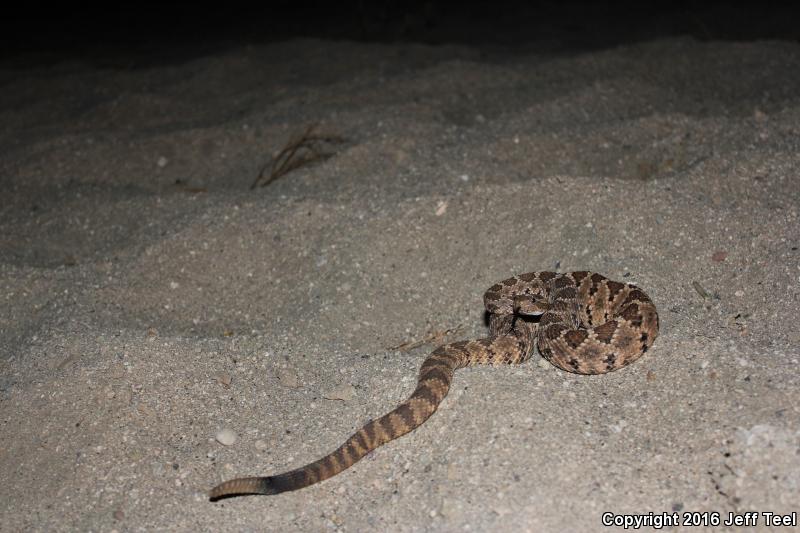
(302, 149)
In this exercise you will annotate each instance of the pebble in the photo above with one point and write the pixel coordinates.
(342, 392)
(288, 378)
(226, 437)
(224, 379)
(450, 507)
(618, 427)
(261, 445)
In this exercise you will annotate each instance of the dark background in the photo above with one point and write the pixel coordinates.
(141, 34)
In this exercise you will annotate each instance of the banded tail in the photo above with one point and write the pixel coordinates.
(435, 377)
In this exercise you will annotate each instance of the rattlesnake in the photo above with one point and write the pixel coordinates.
(587, 324)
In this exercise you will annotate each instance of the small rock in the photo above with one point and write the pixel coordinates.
(342, 392)
(162, 162)
(700, 290)
(450, 507)
(226, 437)
(454, 472)
(288, 378)
(441, 208)
(224, 379)
(261, 445)
(719, 256)
(618, 427)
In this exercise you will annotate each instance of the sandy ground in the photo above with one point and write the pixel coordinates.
(150, 299)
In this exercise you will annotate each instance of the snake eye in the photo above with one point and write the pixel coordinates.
(529, 305)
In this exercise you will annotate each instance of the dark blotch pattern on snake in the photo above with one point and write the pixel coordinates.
(587, 324)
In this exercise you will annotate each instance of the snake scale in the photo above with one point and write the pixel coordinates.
(581, 322)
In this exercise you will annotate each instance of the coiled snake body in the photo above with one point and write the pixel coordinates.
(587, 324)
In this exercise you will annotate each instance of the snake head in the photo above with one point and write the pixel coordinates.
(530, 304)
